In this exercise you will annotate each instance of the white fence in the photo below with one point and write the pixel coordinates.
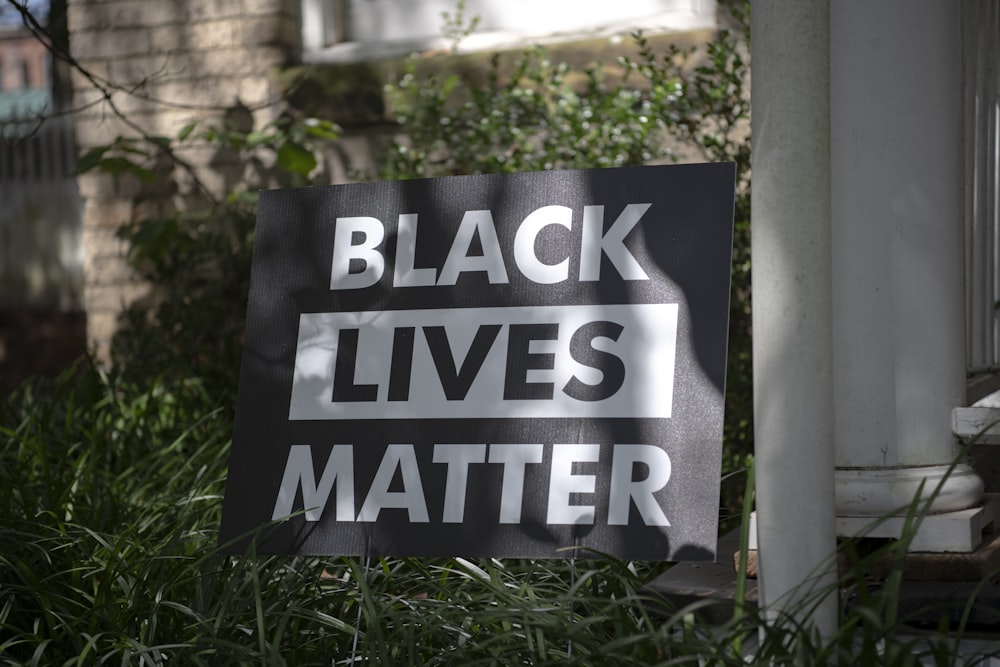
(981, 28)
(41, 253)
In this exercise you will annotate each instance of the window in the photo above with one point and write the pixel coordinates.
(324, 23)
(345, 30)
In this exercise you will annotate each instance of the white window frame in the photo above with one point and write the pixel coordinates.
(326, 26)
(324, 23)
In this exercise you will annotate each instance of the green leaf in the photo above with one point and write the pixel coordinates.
(126, 148)
(91, 159)
(296, 159)
(186, 131)
(235, 140)
(255, 139)
(118, 165)
(162, 142)
(322, 129)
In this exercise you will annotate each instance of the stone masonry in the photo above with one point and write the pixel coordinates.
(151, 68)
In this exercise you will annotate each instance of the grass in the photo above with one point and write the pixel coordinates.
(110, 497)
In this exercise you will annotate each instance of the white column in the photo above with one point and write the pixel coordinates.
(898, 296)
(792, 310)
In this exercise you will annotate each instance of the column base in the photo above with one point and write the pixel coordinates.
(880, 492)
(960, 531)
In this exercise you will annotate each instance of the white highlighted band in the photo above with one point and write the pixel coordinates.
(592, 361)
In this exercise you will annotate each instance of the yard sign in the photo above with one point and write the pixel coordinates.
(522, 365)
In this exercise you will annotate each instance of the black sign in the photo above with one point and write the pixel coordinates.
(523, 365)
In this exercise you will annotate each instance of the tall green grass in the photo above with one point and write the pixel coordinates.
(110, 497)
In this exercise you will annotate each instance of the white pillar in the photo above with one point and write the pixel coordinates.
(898, 295)
(792, 310)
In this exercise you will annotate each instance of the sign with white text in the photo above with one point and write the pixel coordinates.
(522, 365)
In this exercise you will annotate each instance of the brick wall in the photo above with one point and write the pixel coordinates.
(170, 63)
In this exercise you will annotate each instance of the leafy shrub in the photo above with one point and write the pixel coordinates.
(532, 114)
(198, 260)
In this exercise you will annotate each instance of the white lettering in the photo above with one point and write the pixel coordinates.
(459, 261)
(595, 243)
(411, 498)
(458, 458)
(514, 458)
(525, 241)
(404, 275)
(299, 473)
(562, 483)
(624, 488)
(344, 251)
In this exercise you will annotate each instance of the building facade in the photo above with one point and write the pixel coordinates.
(154, 68)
